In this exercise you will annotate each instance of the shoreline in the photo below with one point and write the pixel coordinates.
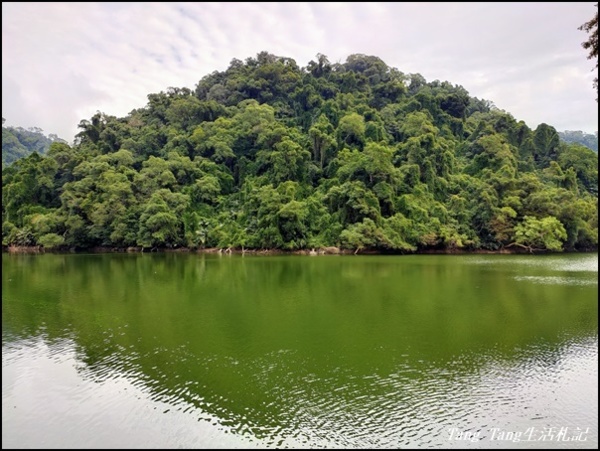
(331, 250)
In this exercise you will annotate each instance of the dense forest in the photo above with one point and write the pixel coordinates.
(270, 155)
(18, 142)
(585, 139)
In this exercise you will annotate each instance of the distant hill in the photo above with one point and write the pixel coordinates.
(18, 142)
(585, 139)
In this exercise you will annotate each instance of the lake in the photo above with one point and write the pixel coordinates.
(207, 351)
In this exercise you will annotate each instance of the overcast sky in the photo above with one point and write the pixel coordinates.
(62, 62)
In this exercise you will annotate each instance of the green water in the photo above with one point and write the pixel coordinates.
(202, 351)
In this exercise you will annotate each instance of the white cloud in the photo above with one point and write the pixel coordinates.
(62, 62)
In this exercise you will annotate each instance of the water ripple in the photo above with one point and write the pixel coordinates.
(558, 280)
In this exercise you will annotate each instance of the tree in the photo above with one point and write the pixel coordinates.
(322, 139)
(351, 130)
(592, 43)
(546, 145)
(584, 162)
(546, 233)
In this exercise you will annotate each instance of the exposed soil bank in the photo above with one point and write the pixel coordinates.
(331, 250)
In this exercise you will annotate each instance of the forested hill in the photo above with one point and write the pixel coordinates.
(585, 139)
(268, 154)
(18, 142)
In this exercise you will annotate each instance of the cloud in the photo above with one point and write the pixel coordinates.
(62, 62)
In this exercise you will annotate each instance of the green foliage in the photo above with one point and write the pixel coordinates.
(322, 140)
(351, 131)
(546, 145)
(270, 155)
(51, 240)
(584, 163)
(546, 233)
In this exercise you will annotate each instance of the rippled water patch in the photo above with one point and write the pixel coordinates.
(410, 407)
(570, 262)
(558, 280)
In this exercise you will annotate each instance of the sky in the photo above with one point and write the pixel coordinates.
(63, 62)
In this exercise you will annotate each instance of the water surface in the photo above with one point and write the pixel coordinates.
(202, 351)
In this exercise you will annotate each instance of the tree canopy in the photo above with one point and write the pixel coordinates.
(267, 154)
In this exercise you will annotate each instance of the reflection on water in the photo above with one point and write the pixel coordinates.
(354, 352)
